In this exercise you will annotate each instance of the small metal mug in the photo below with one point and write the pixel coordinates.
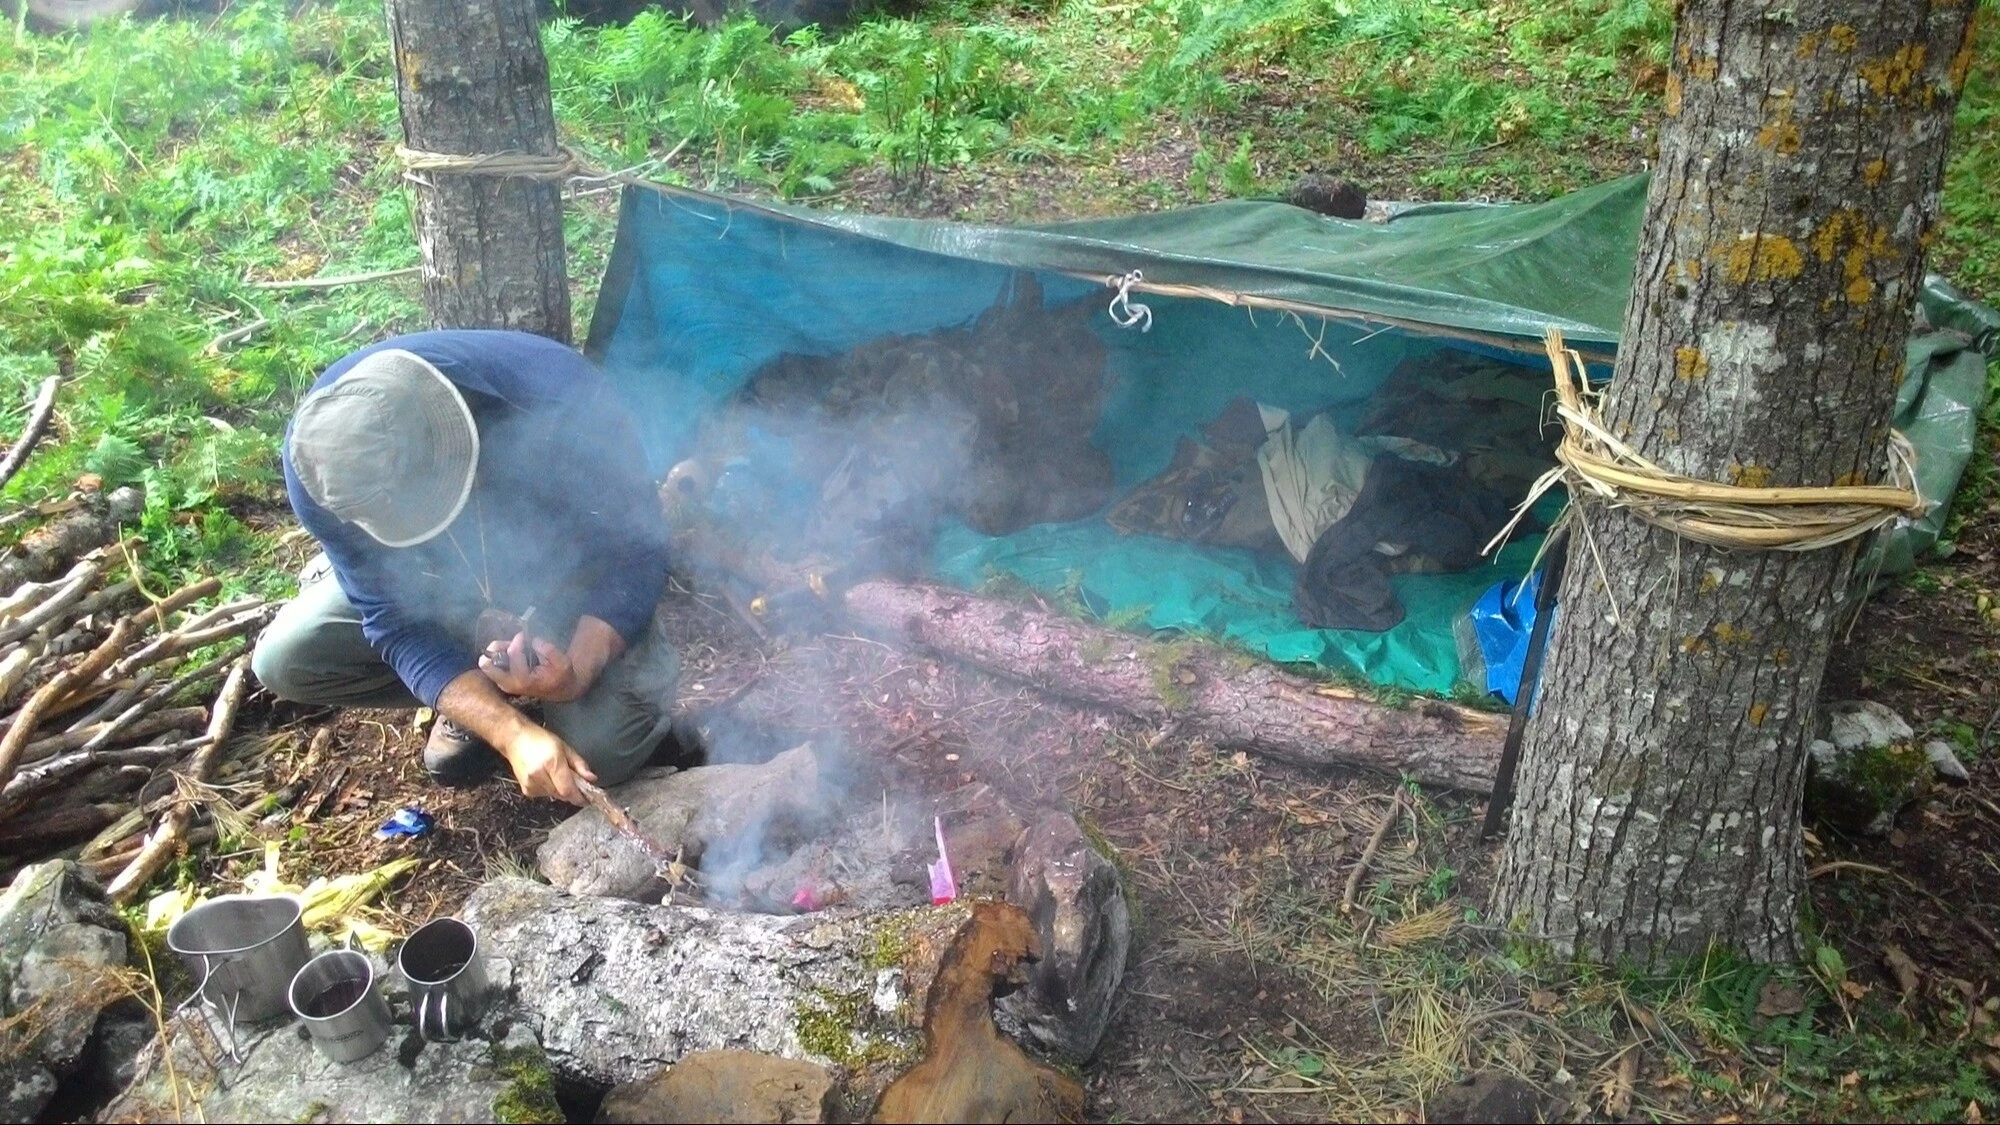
(244, 949)
(447, 978)
(334, 996)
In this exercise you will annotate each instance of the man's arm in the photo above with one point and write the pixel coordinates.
(544, 765)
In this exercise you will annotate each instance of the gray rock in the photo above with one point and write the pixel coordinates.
(1861, 790)
(1945, 761)
(1863, 724)
(728, 1086)
(723, 815)
(283, 1078)
(1079, 908)
(620, 989)
(61, 951)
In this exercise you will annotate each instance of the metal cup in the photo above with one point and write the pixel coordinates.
(334, 996)
(244, 949)
(447, 978)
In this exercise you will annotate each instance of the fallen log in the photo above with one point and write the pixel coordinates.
(93, 523)
(1209, 692)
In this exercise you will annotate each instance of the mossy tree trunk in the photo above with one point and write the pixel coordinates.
(1798, 177)
(471, 80)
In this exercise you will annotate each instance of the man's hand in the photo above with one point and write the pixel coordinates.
(552, 674)
(532, 668)
(545, 766)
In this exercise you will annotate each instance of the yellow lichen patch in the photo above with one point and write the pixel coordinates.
(1780, 136)
(1782, 657)
(1892, 75)
(1732, 635)
(1673, 95)
(1703, 67)
(1808, 44)
(1850, 480)
(1750, 476)
(1694, 646)
(1860, 287)
(1842, 37)
(1689, 363)
(1761, 257)
(1710, 582)
(1875, 172)
(1779, 133)
(1848, 235)
(1757, 713)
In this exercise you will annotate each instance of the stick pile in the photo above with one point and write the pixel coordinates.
(93, 749)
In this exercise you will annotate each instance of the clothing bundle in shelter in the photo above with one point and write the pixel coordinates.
(1428, 472)
(989, 423)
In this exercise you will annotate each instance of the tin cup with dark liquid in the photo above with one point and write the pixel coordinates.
(334, 996)
(447, 978)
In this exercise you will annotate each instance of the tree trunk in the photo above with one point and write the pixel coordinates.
(472, 81)
(1798, 177)
(1210, 692)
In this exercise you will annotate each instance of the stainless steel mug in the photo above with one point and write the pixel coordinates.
(245, 950)
(334, 996)
(447, 978)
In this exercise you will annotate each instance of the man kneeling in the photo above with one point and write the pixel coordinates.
(456, 477)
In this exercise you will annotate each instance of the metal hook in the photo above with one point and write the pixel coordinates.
(1126, 313)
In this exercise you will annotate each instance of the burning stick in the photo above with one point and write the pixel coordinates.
(667, 862)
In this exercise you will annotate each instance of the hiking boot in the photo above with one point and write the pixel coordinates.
(456, 758)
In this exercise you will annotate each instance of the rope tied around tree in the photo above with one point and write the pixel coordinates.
(510, 164)
(1595, 464)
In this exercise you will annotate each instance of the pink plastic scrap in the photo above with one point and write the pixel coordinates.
(810, 895)
(944, 885)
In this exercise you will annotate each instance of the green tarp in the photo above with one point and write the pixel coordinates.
(703, 290)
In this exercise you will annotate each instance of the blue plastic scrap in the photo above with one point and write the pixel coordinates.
(406, 822)
(1503, 619)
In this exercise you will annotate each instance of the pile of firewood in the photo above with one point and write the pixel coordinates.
(105, 740)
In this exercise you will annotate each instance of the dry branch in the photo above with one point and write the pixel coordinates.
(38, 421)
(1231, 701)
(14, 668)
(132, 714)
(45, 697)
(185, 640)
(73, 587)
(1354, 877)
(106, 866)
(177, 718)
(160, 846)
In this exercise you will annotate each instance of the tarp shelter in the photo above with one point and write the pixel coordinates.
(1246, 298)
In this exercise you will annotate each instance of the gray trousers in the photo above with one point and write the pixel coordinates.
(313, 652)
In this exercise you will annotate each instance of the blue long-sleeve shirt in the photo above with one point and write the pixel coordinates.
(563, 515)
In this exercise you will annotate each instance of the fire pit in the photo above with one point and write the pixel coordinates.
(799, 920)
